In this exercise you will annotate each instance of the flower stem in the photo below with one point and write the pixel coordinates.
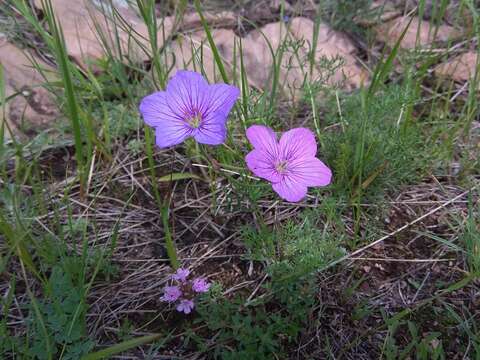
(163, 205)
(169, 243)
(203, 153)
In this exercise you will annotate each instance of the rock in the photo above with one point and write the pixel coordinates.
(294, 68)
(333, 46)
(390, 31)
(461, 68)
(455, 12)
(193, 52)
(89, 29)
(189, 51)
(260, 67)
(81, 20)
(224, 19)
(34, 108)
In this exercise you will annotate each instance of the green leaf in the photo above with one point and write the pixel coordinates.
(121, 347)
(179, 176)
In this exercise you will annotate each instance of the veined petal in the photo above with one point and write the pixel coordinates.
(310, 172)
(263, 138)
(212, 130)
(187, 93)
(171, 133)
(261, 165)
(297, 143)
(155, 110)
(290, 190)
(221, 98)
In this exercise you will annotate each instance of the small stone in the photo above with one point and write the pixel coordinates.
(420, 33)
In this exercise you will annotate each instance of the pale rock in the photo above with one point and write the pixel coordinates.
(460, 68)
(90, 31)
(332, 45)
(390, 32)
(33, 108)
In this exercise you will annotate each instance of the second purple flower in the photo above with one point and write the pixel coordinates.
(289, 164)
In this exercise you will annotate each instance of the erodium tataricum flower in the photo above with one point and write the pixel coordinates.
(184, 291)
(189, 107)
(171, 293)
(200, 285)
(181, 275)
(185, 306)
(289, 164)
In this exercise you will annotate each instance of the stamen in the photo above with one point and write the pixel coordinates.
(195, 120)
(281, 166)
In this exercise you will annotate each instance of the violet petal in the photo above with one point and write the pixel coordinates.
(297, 143)
(263, 138)
(290, 190)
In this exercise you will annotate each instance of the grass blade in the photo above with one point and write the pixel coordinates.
(178, 176)
(216, 54)
(66, 74)
(121, 347)
(384, 68)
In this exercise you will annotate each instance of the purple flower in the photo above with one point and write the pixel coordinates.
(290, 164)
(200, 285)
(181, 275)
(171, 293)
(185, 306)
(189, 107)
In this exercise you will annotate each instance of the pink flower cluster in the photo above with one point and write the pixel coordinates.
(184, 291)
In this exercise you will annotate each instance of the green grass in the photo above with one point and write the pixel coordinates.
(92, 222)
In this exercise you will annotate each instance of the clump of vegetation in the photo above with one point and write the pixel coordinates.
(258, 331)
(296, 248)
(341, 14)
(375, 146)
(59, 323)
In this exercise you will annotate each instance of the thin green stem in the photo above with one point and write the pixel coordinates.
(163, 205)
(203, 153)
(169, 243)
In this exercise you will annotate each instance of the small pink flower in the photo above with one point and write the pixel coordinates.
(200, 285)
(171, 293)
(182, 295)
(181, 275)
(185, 306)
(289, 164)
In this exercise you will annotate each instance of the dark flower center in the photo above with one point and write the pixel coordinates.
(281, 166)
